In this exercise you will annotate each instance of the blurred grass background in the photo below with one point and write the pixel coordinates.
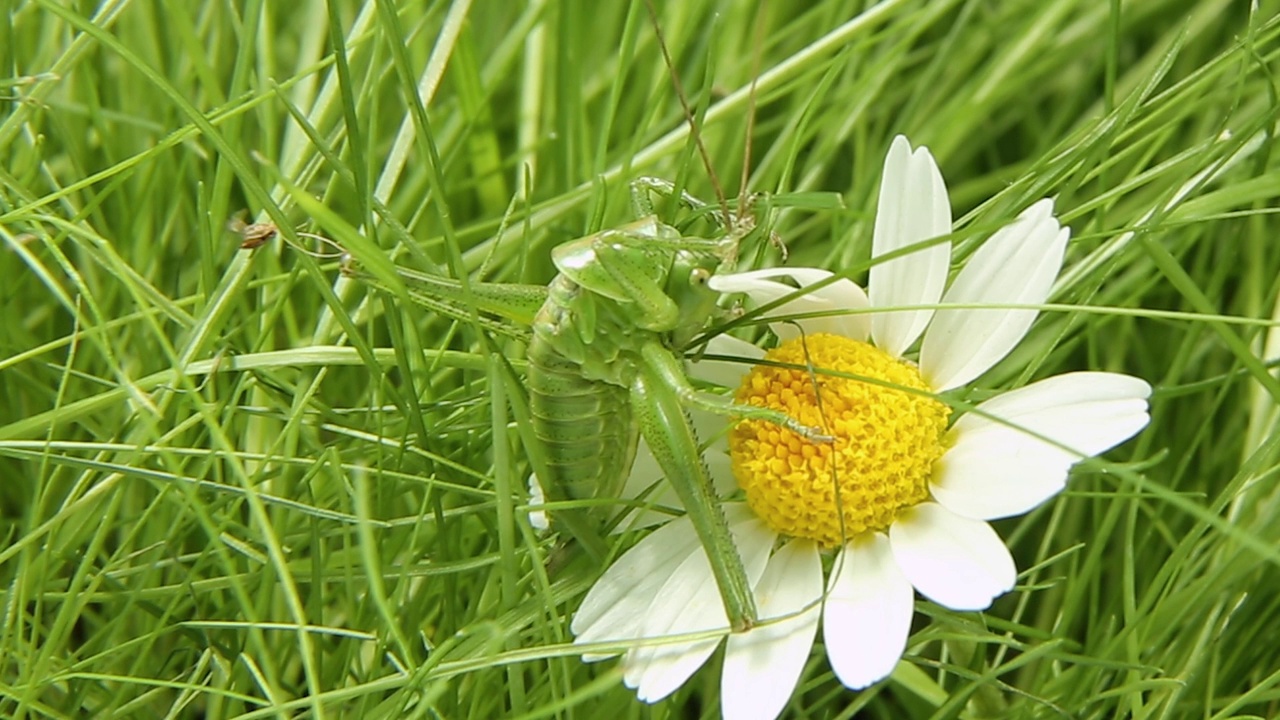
(234, 483)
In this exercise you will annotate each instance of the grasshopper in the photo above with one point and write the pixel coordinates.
(604, 367)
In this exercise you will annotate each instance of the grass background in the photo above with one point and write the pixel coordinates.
(236, 484)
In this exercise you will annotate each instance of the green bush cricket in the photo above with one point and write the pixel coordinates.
(604, 365)
(604, 368)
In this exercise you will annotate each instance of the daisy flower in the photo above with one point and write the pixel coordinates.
(902, 497)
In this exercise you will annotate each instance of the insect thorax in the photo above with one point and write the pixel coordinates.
(589, 331)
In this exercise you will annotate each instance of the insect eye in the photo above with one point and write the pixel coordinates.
(699, 276)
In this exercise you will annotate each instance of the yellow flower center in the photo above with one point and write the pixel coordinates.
(888, 431)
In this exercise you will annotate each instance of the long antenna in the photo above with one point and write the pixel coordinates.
(758, 42)
(688, 114)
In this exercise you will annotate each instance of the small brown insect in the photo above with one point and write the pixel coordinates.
(252, 235)
(257, 235)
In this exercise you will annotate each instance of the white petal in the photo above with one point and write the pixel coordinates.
(720, 465)
(1014, 451)
(868, 612)
(763, 665)
(743, 282)
(708, 424)
(646, 479)
(537, 518)
(1016, 266)
(952, 560)
(840, 295)
(689, 601)
(616, 606)
(913, 207)
(725, 373)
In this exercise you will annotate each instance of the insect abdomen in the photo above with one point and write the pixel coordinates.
(584, 425)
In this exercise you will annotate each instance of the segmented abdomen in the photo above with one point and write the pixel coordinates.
(584, 425)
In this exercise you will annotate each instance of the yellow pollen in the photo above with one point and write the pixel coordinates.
(886, 439)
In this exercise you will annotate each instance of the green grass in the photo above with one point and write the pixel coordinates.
(235, 484)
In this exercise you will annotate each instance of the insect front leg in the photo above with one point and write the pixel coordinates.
(721, 405)
(735, 224)
(641, 188)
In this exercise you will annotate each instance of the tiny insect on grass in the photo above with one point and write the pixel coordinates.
(255, 235)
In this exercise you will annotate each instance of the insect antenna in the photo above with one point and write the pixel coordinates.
(730, 220)
(744, 198)
(758, 44)
(828, 429)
